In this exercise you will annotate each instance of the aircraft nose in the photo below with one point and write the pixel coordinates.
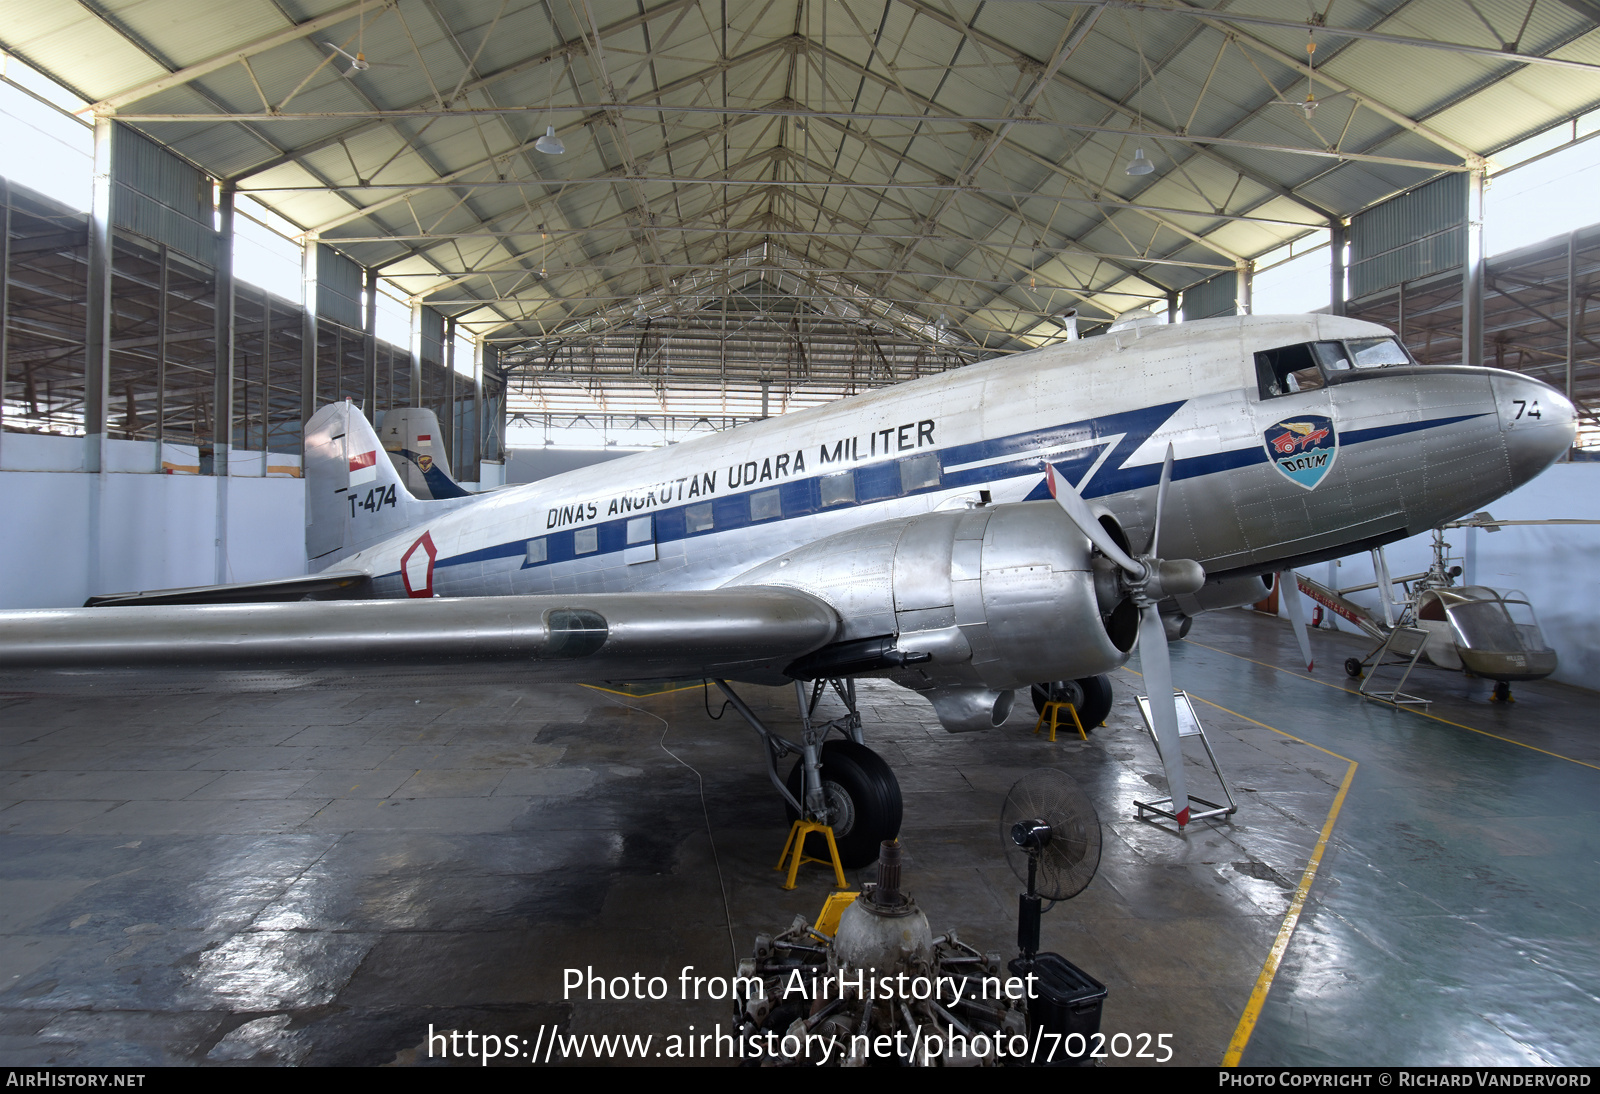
(1537, 421)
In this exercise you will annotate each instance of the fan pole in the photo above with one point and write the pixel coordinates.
(1028, 912)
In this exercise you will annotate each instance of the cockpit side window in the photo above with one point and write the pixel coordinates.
(1287, 370)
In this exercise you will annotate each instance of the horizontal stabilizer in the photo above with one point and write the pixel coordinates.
(746, 633)
(328, 585)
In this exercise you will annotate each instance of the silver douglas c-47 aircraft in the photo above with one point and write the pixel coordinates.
(1027, 520)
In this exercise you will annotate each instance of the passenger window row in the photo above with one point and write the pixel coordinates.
(874, 483)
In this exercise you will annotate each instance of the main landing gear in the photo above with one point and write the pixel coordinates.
(840, 781)
(1090, 697)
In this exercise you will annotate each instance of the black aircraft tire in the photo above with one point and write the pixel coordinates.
(1091, 696)
(857, 778)
(1352, 668)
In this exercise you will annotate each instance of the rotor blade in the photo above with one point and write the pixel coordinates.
(1289, 597)
(1161, 501)
(1156, 663)
(1078, 511)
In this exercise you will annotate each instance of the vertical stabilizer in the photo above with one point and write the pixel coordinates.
(415, 444)
(354, 496)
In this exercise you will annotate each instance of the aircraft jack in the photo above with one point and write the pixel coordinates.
(1052, 711)
(798, 831)
(1188, 726)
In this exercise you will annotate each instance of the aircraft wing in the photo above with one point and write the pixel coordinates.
(748, 633)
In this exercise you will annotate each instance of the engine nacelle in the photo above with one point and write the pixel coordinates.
(968, 603)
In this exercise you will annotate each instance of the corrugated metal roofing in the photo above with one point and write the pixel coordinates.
(894, 145)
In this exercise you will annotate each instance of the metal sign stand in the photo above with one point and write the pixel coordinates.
(1405, 643)
(1188, 726)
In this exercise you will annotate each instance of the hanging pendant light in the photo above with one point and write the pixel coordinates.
(1139, 165)
(550, 144)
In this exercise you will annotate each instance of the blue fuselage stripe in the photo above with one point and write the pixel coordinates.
(880, 481)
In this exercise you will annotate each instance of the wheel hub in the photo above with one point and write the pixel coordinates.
(841, 809)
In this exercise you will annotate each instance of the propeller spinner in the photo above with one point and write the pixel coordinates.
(1146, 580)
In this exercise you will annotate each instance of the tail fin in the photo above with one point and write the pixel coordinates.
(412, 438)
(354, 495)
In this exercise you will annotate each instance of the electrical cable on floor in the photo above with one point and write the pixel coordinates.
(705, 810)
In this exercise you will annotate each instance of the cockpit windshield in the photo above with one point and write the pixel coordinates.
(1310, 365)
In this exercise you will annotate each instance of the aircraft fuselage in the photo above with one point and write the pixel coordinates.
(1265, 476)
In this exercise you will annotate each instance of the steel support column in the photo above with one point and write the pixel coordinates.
(5, 293)
(416, 355)
(477, 411)
(1243, 274)
(369, 349)
(448, 418)
(1472, 274)
(1572, 314)
(163, 306)
(1337, 234)
(222, 386)
(97, 326)
(308, 333)
(1172, 306)
(223, 328)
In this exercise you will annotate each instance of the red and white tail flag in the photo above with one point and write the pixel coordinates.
(363, 468)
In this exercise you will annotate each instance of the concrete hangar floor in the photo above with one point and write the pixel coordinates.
(319, 876)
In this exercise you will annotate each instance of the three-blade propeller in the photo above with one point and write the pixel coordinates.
(1146, 580)
(1289, 597)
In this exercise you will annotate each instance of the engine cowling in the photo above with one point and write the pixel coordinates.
(965, 605)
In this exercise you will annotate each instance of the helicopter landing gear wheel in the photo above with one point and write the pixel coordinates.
(1352, 667)
(863, 802)
(1090, 696)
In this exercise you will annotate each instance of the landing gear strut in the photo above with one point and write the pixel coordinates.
(840, 782)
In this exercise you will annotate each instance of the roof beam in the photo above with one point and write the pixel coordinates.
(113, 103)
(1249, 19)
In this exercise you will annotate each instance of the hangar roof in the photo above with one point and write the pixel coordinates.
(957, 166)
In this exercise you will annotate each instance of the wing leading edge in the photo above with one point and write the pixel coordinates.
(742, 634)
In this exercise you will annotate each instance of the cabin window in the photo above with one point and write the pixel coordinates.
(586, 541)
(839, 489)
(765, 505)
(919, 472)
(697, 518)
(538, 551)
(640, 530)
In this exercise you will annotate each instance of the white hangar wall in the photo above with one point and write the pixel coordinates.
(1557, 566)
(68, 535)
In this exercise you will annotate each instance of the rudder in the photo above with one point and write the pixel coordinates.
(354, 496)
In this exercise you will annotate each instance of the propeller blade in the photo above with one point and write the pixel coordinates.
(1156, 663)
(1161, 502)
(1078, 511)
(1289, 596)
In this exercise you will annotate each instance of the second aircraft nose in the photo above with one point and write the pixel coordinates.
(1537, 421)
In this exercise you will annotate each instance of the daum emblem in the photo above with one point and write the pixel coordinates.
(1303, 449)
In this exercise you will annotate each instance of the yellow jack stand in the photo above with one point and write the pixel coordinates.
(1052, 710)
(798, 832)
